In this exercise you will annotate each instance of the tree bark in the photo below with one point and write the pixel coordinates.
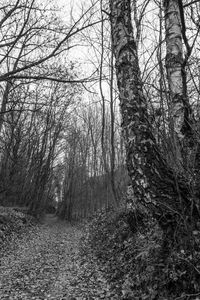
(174, 61)
(180, 111)
(154, 183)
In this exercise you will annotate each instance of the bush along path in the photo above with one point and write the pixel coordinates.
(45, 263)
(128, 247)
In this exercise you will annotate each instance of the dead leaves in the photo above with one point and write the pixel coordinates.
(46, 264)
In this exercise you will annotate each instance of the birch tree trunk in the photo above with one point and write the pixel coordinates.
(180, 110)
(155, 184)
(174, 61)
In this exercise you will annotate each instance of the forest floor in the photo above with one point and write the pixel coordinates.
(45, 263)
(112, 256)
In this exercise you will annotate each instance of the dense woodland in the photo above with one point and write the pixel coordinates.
(100, 112)
(60, 146)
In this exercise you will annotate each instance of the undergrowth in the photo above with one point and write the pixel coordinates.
(13, 222)
(128, 247)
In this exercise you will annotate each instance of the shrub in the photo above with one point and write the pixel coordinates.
(128, 246)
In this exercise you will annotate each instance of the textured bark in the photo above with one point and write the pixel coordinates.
(182, 120)
(185, 139)
(154, 183)
(4, 103)
(174, 61)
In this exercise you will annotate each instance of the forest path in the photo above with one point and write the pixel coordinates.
(45, 264)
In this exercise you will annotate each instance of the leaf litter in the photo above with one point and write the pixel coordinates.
(46, 264)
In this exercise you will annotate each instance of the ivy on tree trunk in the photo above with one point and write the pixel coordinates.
(166, 193)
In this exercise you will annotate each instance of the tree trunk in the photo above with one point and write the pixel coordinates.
(155, 184)
(180, 110)
(174, 61)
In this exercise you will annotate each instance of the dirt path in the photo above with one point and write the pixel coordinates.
(45, 264)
